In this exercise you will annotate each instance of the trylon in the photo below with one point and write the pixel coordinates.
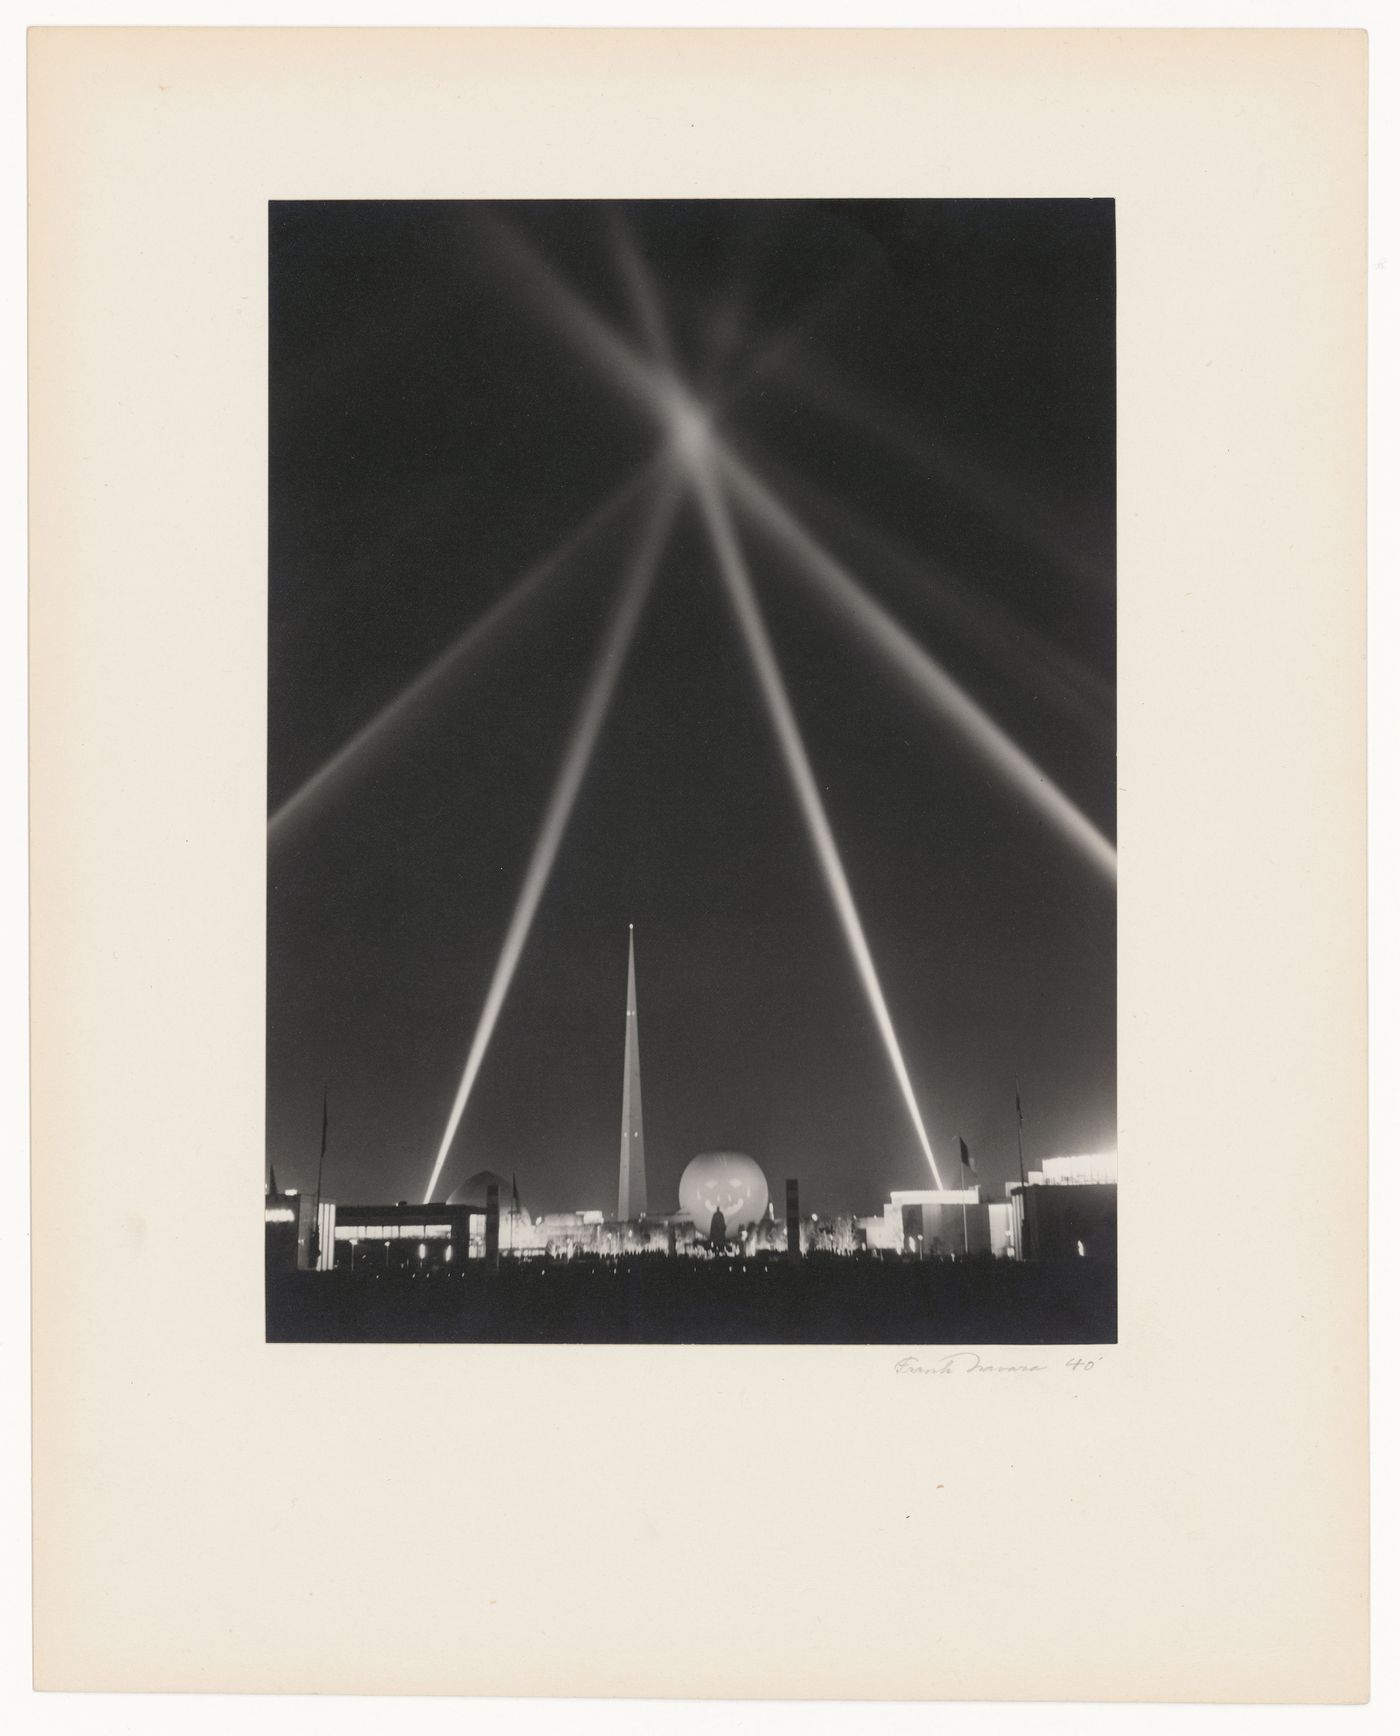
(632, 1163)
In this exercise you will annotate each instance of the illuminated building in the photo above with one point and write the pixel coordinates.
(562, 1235)
(834, 1234)
(632, 1165)
(882, 1233)
(404, 1238)
(1060, 1216)
(286, 1230)
(768, 1235)
(1001, 1229)
(1068, 1209)
(938, 1223)
(291, 1243)
(502, 1224)
(472, 1192)
(1098, 1168)
(475, 1192)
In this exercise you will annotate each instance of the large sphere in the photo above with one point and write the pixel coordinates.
(723, 1181)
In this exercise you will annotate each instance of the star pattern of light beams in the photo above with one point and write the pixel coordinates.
(698, 458)
(708, 461)
(687, 424)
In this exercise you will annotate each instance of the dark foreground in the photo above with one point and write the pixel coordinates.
(650, 1299)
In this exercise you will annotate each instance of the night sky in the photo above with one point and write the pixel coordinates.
(929, 385)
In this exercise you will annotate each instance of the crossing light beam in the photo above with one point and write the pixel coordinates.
(692, 438)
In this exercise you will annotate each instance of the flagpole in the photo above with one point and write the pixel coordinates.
(966, 1171)
(1018, 1219)
(316, 1223)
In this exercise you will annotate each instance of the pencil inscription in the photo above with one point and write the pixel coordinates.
(966, 1362)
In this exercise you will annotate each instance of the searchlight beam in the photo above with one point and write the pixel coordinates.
(597, 696)
(691, 435)
(734, 571)
(920, 668)
(458, 654)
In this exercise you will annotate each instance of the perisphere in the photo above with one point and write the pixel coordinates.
(723, 1181)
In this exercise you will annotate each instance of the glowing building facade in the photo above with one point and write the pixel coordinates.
(1067, 1209)
(399, 1238)
(937, 1223)
(298, 1232)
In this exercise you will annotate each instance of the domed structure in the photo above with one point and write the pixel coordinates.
(472, 1192)
(727, 1182)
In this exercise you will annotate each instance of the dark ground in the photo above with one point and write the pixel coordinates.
(656, 1300)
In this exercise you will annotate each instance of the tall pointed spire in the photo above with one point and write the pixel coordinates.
(632, 1166)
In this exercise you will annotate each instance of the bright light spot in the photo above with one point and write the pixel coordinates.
(587, 725)
(653, 386)
(422, 1250)
(689, 426)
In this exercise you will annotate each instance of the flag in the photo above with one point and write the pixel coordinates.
(514, 1194)
(1019, 1116)
(966, 1156)
(272, 1181)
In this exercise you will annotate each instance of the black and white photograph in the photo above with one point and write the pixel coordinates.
(601, 606)
(691, 757)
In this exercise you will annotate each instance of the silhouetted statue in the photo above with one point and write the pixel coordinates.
(717, 1230)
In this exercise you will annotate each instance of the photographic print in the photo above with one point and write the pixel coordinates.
(691, 876)
(587, 680)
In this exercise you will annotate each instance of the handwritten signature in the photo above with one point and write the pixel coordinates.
(967, 1362)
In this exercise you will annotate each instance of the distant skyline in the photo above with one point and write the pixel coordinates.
(941, 414)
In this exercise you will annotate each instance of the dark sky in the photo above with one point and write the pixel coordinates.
(944, 419)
